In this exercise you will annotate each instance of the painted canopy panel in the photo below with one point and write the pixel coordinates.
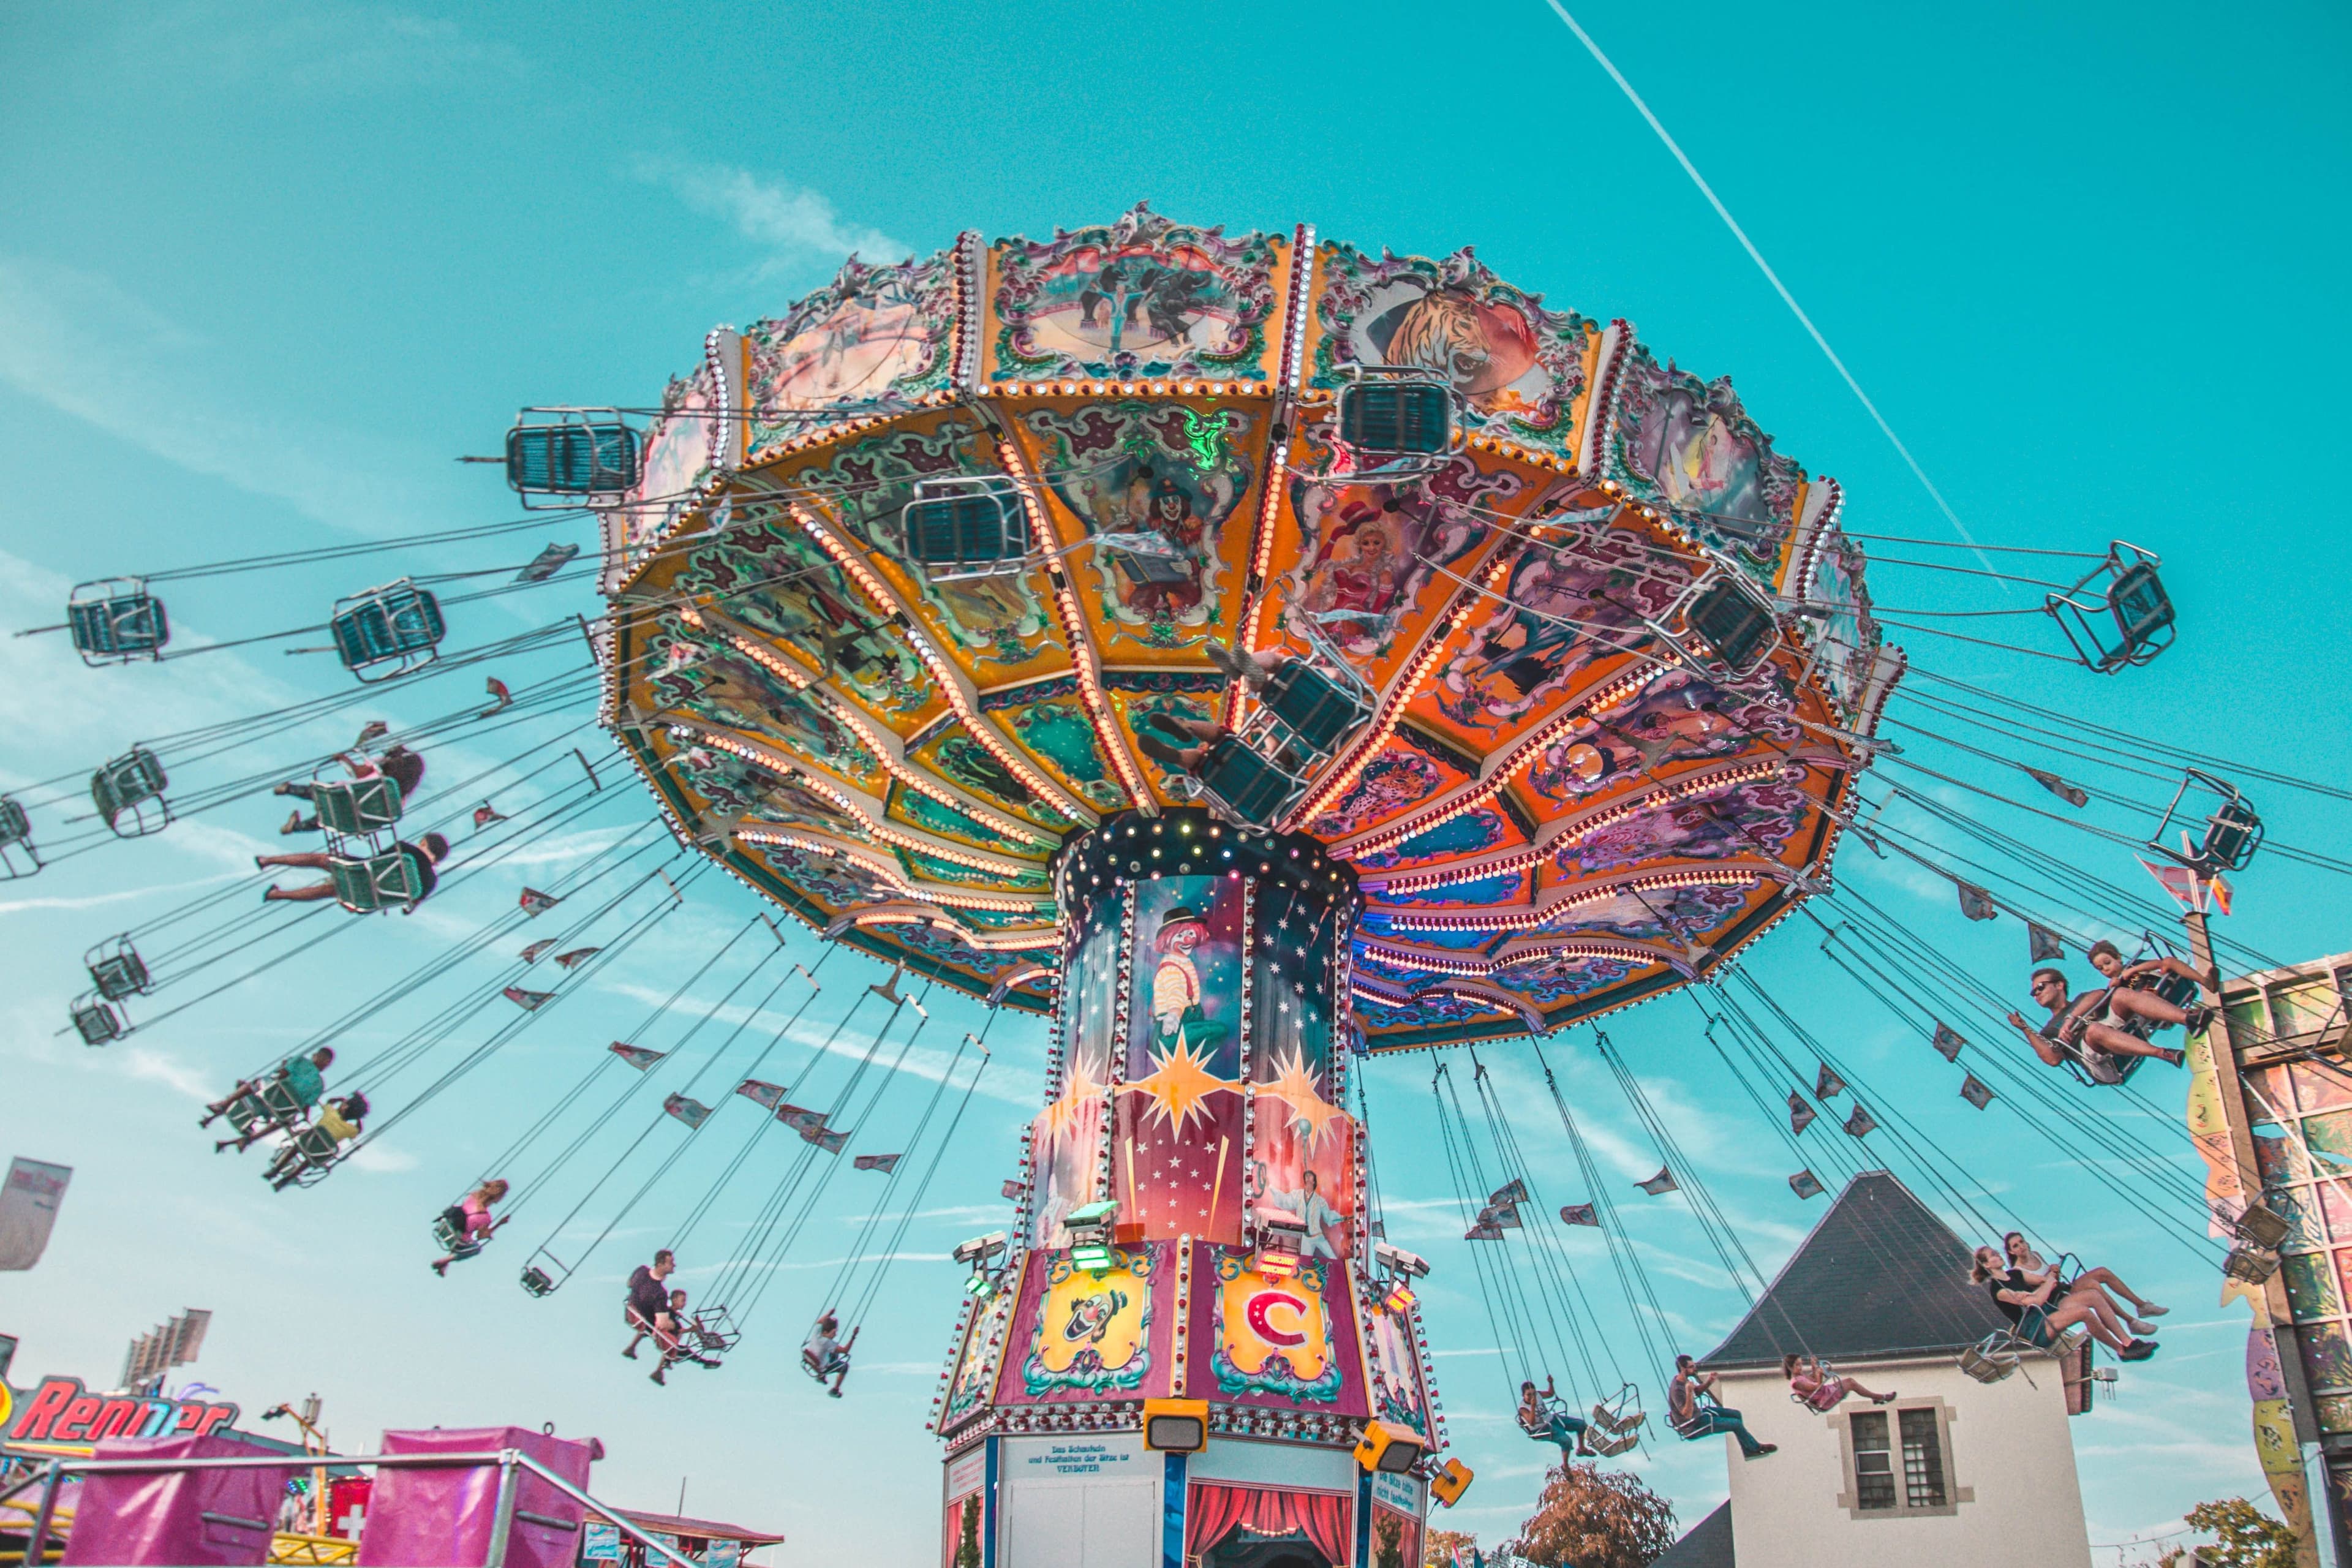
(1555, 808)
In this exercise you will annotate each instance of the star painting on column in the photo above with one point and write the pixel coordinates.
(1305, 1145)
(1176, 1165)
(1067, 1137)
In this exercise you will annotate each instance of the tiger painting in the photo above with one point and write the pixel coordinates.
(1482, 349)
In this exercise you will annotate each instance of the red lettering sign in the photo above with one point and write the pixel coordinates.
(62, 1411)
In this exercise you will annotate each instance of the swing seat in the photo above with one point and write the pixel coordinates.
(1693, 1429)
(536, 1281)
(117, 969)
(574, 453)
(1246, 782)
(353, 808)
(315, 1155)
(248, 1116)
(971, 527)
(1396, 416)
(281, 1104)
(1734, 626)
(450, 1237)
(1609, 1444)
(1620, 1412)
(1312, 705)
(367, 885)
(397, 625)
(97, 1023)
(116, 621)
(18, 856)
(131, 786)
(1994, 1357)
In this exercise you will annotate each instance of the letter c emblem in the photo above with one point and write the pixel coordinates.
(1259, 1314)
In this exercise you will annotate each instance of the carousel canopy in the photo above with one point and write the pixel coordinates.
(907, 572)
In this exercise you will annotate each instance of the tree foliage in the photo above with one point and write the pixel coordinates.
(1590, 1520)
(2244, 1536)
(1439, 1547)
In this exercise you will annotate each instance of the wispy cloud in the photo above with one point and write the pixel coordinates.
(796, 224)
(313, 46)
(81, 345)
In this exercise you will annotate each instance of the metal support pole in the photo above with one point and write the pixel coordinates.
(502, 1519)
(36, 1544)
(2273, 1314)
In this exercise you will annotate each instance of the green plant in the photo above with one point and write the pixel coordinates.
(2244, 1536)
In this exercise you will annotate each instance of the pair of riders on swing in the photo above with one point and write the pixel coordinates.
(2099, 1029)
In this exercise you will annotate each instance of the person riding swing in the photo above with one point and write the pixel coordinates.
(2077, 1031)
(649, 1299)
(1692, 1419)
(469, 1223)
(824, 1355)
(1544, 1418)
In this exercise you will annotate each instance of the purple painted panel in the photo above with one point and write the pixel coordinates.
(421, 1518)
(182, 1516)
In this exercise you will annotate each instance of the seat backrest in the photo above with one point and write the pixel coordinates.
(279, 1100)
(1252, 788)
(1312, 705)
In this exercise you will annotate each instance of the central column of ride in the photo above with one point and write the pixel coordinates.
(1191, 1226)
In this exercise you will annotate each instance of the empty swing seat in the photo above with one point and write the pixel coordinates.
(1994, 1357)
(537, 1281)
(1736, 627)
(1397, 418)
(116, 621)
(966, 527)
(1249, 785)
(573, 456)
(1312, 705)
(353, 808)
(365, 885)
(116, 970)
(398, 624)
(131, 786)
(96, 1022)
(2142, 609)
(16, 827)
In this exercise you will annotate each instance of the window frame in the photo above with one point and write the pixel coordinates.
(1849, 1498)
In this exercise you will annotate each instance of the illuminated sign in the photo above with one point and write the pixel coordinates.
(62, 1411)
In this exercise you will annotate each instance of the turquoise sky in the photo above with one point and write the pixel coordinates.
(266, 268)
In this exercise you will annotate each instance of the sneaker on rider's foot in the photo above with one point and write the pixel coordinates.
(1761, 1451)
(2138, 1350)
(2151, 1309)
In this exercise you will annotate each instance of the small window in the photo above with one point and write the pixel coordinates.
(1898, 1463)
(1923, 1459)
(1874, 1467)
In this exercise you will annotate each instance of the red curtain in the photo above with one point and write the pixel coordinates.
(1214, 1510)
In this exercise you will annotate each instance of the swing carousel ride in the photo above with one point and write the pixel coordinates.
(1253, 653)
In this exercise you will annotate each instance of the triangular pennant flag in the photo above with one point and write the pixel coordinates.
(883, 1162)
(800, 1119)
(2219, 891)
(2073, 794)
(1948, 1041)
(1800, 1115)
(530, 955)
(1661, 1184)
(1380, 1230)
(1013, 1188)
(1805, 1186)
(486, 814)
(1513, 1192)
(577, 955)
(1976, 1092)
(1580, 1213)
(1860, 1123)
(1483, 1233)
(2178, 880)
(768, 1094)
(693, 1112)
(1976, 903)
(832, 1142)
(501, 697)
(2044, 942)
(374, 730)
(636, 1057)
(529, 1001)
(1502, 1215)
(542, 566)
(1827, 1085)
(536, 903)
